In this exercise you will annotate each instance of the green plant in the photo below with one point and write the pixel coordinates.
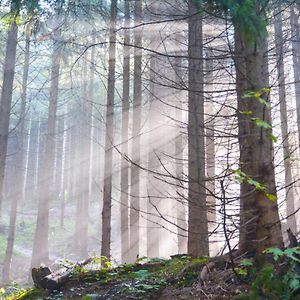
(276, 279)
(243, 267)
(14, 292)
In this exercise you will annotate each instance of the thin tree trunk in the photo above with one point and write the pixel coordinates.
(197, 221)
(289, 190)
(58, 164)
(19, 183)
(210, 146)
(109, 141)
(295, 32)
(125, 124)
(259, 226)
(33, 155)
(64, 168)
(92, 118)
(82, 186)
(6, 98)
(179, 146)
(153, 230)
(136, 130)
(40, 252)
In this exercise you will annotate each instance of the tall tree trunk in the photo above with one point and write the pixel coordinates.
(65, 167)
(82, 186)
(19, 183)
(259, 225)
(136, 130)
(289, 189)
(179, 147)
(295, 32)
(6, 97)
(58, 161)
(197, 221)
(40, 252)
(153, 230)
(125, 124)
(109, 140)
(210, 146)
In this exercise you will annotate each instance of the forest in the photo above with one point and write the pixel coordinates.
(149, 149)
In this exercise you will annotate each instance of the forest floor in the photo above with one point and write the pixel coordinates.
(180, 277)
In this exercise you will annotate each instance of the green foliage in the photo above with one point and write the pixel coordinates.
(258, 96)
(290, 253)
(246, 112)
(248, 16)
(243, 267)
(141, 274)
(241, 177)
(279, 279)
(261, 123)
(142, 280)
(90, 297)
(271, 197)
(14, 292)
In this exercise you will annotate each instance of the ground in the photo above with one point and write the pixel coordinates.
(176, 278)
(181, 277)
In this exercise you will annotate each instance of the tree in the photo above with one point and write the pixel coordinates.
(107, 189)
(82, 182)
(197, 216)
(259, 224)
(7, 90)
(179, 147)
(125, 124)
(295, 32)
(19, 185)
(40, 252)
(136, 131)
(289, 189)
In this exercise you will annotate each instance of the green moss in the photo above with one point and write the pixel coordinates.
(142, 280)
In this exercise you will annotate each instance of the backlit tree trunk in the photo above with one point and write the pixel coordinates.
(19, 182)
(295, 32)
(40, 252)
(107, 189)
(289, 189)
(153, 230)
(260, 225)
(82, 186)
(125, 124)
(136, 130)
(181, 205)
(6, 98)
(210, 147)
(197, 220)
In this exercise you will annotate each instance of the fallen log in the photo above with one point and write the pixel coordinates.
(44, 278)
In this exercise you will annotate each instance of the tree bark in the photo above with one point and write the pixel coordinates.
(153, 230)
(6, 98)
(259, 224)
(40, 252)
(109, 139)
(125, 124)
(210, 147)
(295, 32)
(197, 216)
(289, 189)
(19, 183)
(136, 131)
(83, 183)
(179, 147)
